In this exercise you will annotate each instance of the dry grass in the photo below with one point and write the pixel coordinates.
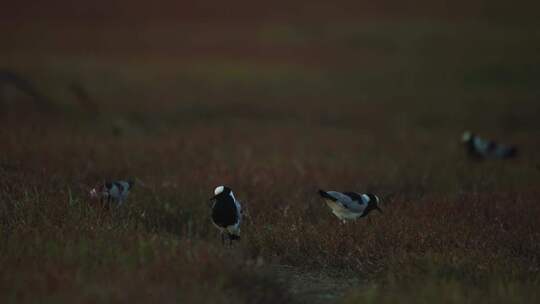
(375, 106)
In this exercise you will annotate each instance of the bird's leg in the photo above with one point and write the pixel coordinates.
(109, 205)
(222, 239)
(230, 241)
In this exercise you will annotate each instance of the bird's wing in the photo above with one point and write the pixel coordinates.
(349, 200)
(125, 187)
(504, 151)
(236, 203)
(336, 196)
(354, 196)
(114, 190)
(238, 210)
(483, 146)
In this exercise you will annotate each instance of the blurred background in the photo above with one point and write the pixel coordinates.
(292, 84)
(473, 62)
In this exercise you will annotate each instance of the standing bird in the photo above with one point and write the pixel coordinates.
(226, 213)
(480, 148)
(350, 205)
(116, 192)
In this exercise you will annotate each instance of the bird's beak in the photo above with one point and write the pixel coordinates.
(212, 198)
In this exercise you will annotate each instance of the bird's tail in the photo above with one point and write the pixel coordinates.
(512, 152)
(506, 152)
(324, 194)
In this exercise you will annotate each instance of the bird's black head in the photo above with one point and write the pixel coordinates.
(373, 202)
(220, 191)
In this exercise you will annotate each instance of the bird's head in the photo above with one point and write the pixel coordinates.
(466, 137)
(94, 193)
(100, 191)
(221, 190)
(374, 202)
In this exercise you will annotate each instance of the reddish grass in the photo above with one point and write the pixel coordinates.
(276, 111)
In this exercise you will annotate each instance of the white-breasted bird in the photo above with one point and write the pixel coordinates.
(116, 191)
(350, 205)
(480, 148)
(226, 213)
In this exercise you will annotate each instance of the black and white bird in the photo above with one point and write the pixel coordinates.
(480, 148)
(350, 205)
(226, 213)
(113, 192)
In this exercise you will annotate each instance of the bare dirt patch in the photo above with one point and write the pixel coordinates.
(316, 286)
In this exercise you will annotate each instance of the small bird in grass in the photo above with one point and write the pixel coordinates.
(350, 205)
(480, 148)
(226, 213)
(116, 192)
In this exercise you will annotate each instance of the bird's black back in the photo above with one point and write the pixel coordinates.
(224, 211)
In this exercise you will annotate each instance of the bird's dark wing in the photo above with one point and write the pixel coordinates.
(346, 201)
(326, 195)
(503, 151)
(354, 196)
(120, 186)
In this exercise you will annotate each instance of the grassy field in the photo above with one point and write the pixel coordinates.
(275, 105)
